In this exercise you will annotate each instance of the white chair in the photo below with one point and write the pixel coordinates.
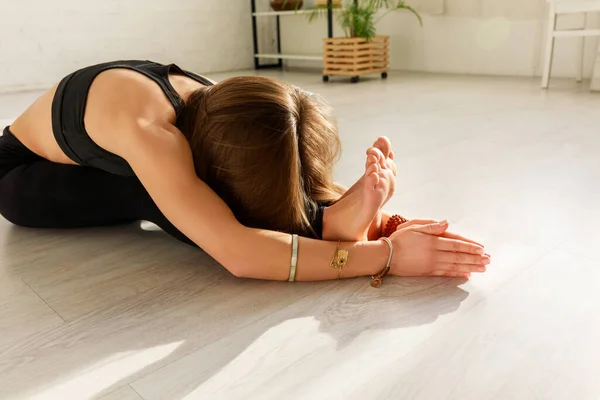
(558, 7)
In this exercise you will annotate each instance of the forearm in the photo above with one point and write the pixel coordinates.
(266, 255)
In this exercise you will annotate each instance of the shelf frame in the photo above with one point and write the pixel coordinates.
(281, 13)
(279, 55)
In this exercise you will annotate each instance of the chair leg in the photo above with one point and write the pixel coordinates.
(549, 50)
(579, 76)
(581, 55)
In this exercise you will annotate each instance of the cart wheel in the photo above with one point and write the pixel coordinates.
(355, 79)
(384, 75)
(325, 78)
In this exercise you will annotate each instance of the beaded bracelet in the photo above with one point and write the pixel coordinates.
(392, 224)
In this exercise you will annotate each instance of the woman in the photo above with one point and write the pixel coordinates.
(213, 165)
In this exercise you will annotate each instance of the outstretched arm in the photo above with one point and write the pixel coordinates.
(162, 160)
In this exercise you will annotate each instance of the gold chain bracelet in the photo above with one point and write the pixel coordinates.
(339, 260)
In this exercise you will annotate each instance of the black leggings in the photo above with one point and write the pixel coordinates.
(38, 193)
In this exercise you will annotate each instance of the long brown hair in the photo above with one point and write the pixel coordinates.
(266, 148)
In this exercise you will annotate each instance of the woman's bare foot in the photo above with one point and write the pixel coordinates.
(354, 215)
(385, 146)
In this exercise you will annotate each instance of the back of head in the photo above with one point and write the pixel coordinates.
(265, 147)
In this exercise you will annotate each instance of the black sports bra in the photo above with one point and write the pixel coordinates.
(68, 109)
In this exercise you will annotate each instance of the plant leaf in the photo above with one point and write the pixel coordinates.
(403, 6)
(319, 11)
(358, 17)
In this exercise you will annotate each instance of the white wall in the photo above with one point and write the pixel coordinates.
(43, 40)
(498, 37)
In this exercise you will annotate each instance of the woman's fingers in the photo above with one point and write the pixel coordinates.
(458, 246)
(451, 257)
(414, 222)
(431, 229)
(455, 267)
(451, 235)
(453, 274)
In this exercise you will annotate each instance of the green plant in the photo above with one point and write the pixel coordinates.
(358, 18)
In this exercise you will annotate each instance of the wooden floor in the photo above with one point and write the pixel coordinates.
(129, 313)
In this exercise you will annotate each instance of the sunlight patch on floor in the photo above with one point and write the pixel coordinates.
(272, 352)
(105, 373)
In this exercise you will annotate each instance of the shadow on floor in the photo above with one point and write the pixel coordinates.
(210, 315)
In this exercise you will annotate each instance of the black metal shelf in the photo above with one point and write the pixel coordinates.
(279, 55)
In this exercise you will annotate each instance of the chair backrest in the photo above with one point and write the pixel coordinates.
(575, 6)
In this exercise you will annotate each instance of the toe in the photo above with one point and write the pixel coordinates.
(391, 165)
(384, 145)
(372, 168)
(376, 152)
(373, 180)
(371, 159)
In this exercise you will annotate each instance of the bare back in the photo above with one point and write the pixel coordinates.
(117, 99)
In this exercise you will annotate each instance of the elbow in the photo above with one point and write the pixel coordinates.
(247, 258)
(234, 258)
(239, 273)
(240, 270)
(237, 266)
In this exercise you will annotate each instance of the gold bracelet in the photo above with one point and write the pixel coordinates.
(377, 279)
(339, 260)
(294, 260)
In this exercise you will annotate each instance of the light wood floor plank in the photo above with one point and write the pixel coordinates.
(97, 278)
(317, 334)
(22, 312)
(125, 393)
(537, 338)
(118, 344)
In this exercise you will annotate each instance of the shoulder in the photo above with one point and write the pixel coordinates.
(135, 104)
(162, 160)
(157, 149)
(148, 135)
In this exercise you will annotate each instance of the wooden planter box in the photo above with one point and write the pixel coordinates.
(355, 57)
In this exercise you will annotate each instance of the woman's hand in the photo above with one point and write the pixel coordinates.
(378, 225)
(446, 234)
(422, 250)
